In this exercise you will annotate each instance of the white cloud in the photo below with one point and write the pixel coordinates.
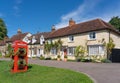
(83, 13)
(79, 13)
(16, 7)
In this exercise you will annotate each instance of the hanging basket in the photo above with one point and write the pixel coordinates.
(21, 52)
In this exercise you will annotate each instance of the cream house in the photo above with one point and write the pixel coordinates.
(91, 34)
(36, 46)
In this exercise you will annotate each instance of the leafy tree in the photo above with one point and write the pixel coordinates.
(115, 21)
(3, 29)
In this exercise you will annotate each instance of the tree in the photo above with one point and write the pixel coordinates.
(115, 21)
(3, 29)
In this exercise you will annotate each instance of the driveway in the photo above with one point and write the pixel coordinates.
(99, 72)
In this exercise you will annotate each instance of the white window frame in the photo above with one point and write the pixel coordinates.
(71, 38)
(91, 35)
(96, 50)
(70, 53)
(54, 51)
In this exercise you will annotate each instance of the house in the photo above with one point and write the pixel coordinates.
(36, 46)
(19, 36)
(90, 34)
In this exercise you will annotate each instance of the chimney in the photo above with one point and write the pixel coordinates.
(71, 22)
(19, 31)
(53, 28)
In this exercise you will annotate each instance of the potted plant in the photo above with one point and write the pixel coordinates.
(65, 58)
(58, 57)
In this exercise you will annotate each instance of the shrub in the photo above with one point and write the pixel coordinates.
(105, 61)
(41, 57)
(48, 58)
(65, 56)
(58, 56)
(86, 60)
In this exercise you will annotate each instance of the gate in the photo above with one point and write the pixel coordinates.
(115, 56)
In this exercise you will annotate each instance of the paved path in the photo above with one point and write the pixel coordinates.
(101, 72)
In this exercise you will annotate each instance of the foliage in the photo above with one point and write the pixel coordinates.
(3, 29)
(65, 56)
(105, 61)
(10, 51)
(0, 54)
(115, 21)
(58, 45)
(80, 51)
(41, 74)
(42, 57)
(58, 56)
(109, 46)
(21, 52)
(47, 47)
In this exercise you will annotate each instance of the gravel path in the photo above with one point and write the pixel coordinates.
(99, 72)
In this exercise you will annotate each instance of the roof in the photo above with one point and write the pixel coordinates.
(92, 25)
(19, 36)
(38, 35)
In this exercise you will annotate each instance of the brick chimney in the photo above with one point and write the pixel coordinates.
(53, 28)
(71, 22)
(19, 31)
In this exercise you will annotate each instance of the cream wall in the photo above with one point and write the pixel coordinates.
(83, 39)
(116, 39)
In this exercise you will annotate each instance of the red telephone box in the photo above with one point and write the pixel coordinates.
(20, 59)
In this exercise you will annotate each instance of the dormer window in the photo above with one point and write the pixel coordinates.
(71, 38)
(92, 35)
(41, 39)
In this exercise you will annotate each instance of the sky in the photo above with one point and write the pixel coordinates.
(39, 15)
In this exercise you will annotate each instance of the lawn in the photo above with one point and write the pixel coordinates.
(41, 74)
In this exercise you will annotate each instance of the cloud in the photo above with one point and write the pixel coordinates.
(87, 11)
(16, 7)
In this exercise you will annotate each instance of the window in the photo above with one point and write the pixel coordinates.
(71, 38)
(96, 50)
(54, 51)
(92, 35)
(70, 50)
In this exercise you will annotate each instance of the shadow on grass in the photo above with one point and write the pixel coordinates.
(29, 67)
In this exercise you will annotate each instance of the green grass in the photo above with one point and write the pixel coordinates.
(41, 74)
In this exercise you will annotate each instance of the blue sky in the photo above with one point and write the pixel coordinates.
(39, 15)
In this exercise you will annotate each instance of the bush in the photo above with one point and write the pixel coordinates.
(48, 58)
(58, 56)
(106, 61)
(65, 56)
(86, 60)
(42, 58)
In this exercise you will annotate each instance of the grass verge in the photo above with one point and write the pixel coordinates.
(41, 74)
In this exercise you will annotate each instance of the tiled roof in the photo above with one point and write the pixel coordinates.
(17, 37)
(38, 35)
(92, 25)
